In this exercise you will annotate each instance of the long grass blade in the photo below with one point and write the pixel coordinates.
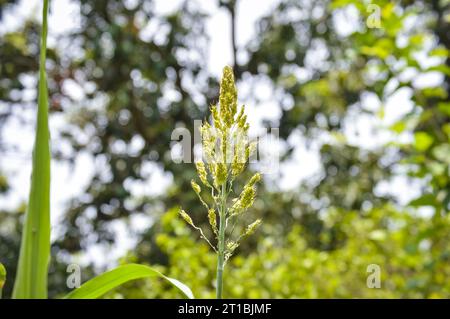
(107, 281)
(31, 278)
(2, 278)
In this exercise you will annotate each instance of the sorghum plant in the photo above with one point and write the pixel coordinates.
(226, 150)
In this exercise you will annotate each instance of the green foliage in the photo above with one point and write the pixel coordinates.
(107, 281)
(302, 246)
(398, 241)
(31, 278)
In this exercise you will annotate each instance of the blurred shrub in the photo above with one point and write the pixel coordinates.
(409, 248)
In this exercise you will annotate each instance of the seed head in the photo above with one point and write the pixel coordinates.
(228, 97)
(255, 179)
(196, 187)
(186, 217)
(245, 200)
(241, 115)
(226, 151)
(201, 171)
(220, 174)
(224, 147)
(252, 227)
(217, 119)
(236, 167)
(231, 246)
(247, 197)
(208, 141)
(213, 220)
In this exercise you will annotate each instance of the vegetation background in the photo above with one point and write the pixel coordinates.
(364, 114)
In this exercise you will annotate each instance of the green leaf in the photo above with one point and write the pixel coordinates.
(442, 68)
(31, 278)
(398, 127)
(378, 235)
(442, 153)
(444, 107)
(340, 3)
(422, 141)
(432, 92)
(440, 52)
(417, 40)
(2, 278)
(381, 49)
(424, 200)
(109, 280)
(375, 51)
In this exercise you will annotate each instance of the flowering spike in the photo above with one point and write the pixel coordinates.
(201, 171)
(186, 217)
(228, 96)
(241, 114)
(217, 119)
(213, 220)
(252, 227)
(197, 189)
(255, 179)
(221, 174)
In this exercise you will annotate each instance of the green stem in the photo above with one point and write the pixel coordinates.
(221, 244)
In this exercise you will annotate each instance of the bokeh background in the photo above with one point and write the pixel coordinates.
(364, 119)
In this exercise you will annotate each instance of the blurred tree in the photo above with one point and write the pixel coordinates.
(142, 84)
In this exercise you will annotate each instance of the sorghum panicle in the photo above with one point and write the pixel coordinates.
(226, 151)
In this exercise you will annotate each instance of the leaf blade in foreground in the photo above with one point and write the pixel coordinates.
(109, 280)
(32, 271)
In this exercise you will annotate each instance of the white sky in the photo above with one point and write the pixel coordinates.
(67, 182)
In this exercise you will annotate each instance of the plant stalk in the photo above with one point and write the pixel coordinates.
(221, 243)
